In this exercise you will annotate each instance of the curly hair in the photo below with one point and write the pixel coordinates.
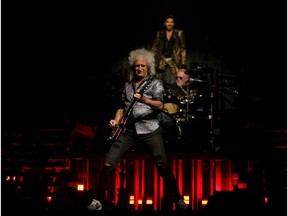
(142, 54)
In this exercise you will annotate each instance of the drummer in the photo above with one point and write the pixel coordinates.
(182, 81)
(185, 92)
(175, 92)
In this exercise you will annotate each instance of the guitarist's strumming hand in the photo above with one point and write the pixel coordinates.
(113, 123)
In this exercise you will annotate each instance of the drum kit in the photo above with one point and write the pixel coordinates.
(181, 105)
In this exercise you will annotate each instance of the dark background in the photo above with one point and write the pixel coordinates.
(58, 56)
(58, 67)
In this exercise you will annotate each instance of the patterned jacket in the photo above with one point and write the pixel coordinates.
(179, 47)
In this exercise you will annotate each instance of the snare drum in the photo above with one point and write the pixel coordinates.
(171, 102)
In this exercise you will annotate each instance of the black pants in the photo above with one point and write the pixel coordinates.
(154, 143)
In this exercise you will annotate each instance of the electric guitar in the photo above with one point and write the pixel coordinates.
(117, 130)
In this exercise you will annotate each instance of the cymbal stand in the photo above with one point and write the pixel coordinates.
(211, 133)
(213, 108)
(187, 101)
(187, 104)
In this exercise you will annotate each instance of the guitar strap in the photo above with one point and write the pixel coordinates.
(147, 82)
(146, 79)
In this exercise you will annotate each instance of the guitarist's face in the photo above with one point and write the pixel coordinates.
(140, 68)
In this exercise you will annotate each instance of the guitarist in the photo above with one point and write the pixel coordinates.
(142, 96)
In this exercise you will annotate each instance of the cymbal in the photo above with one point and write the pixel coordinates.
(198, 70)
(195, 80)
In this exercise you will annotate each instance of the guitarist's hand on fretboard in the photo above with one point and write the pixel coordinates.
(137, 96)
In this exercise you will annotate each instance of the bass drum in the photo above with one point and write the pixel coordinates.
(171, 102)
(170, 129)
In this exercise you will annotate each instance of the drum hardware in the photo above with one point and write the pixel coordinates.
(177, 105)
(187, 104)
(195, 80)
(211, 118)
(188, 98)
(179, 120)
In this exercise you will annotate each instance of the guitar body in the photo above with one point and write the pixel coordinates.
(117, 130)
